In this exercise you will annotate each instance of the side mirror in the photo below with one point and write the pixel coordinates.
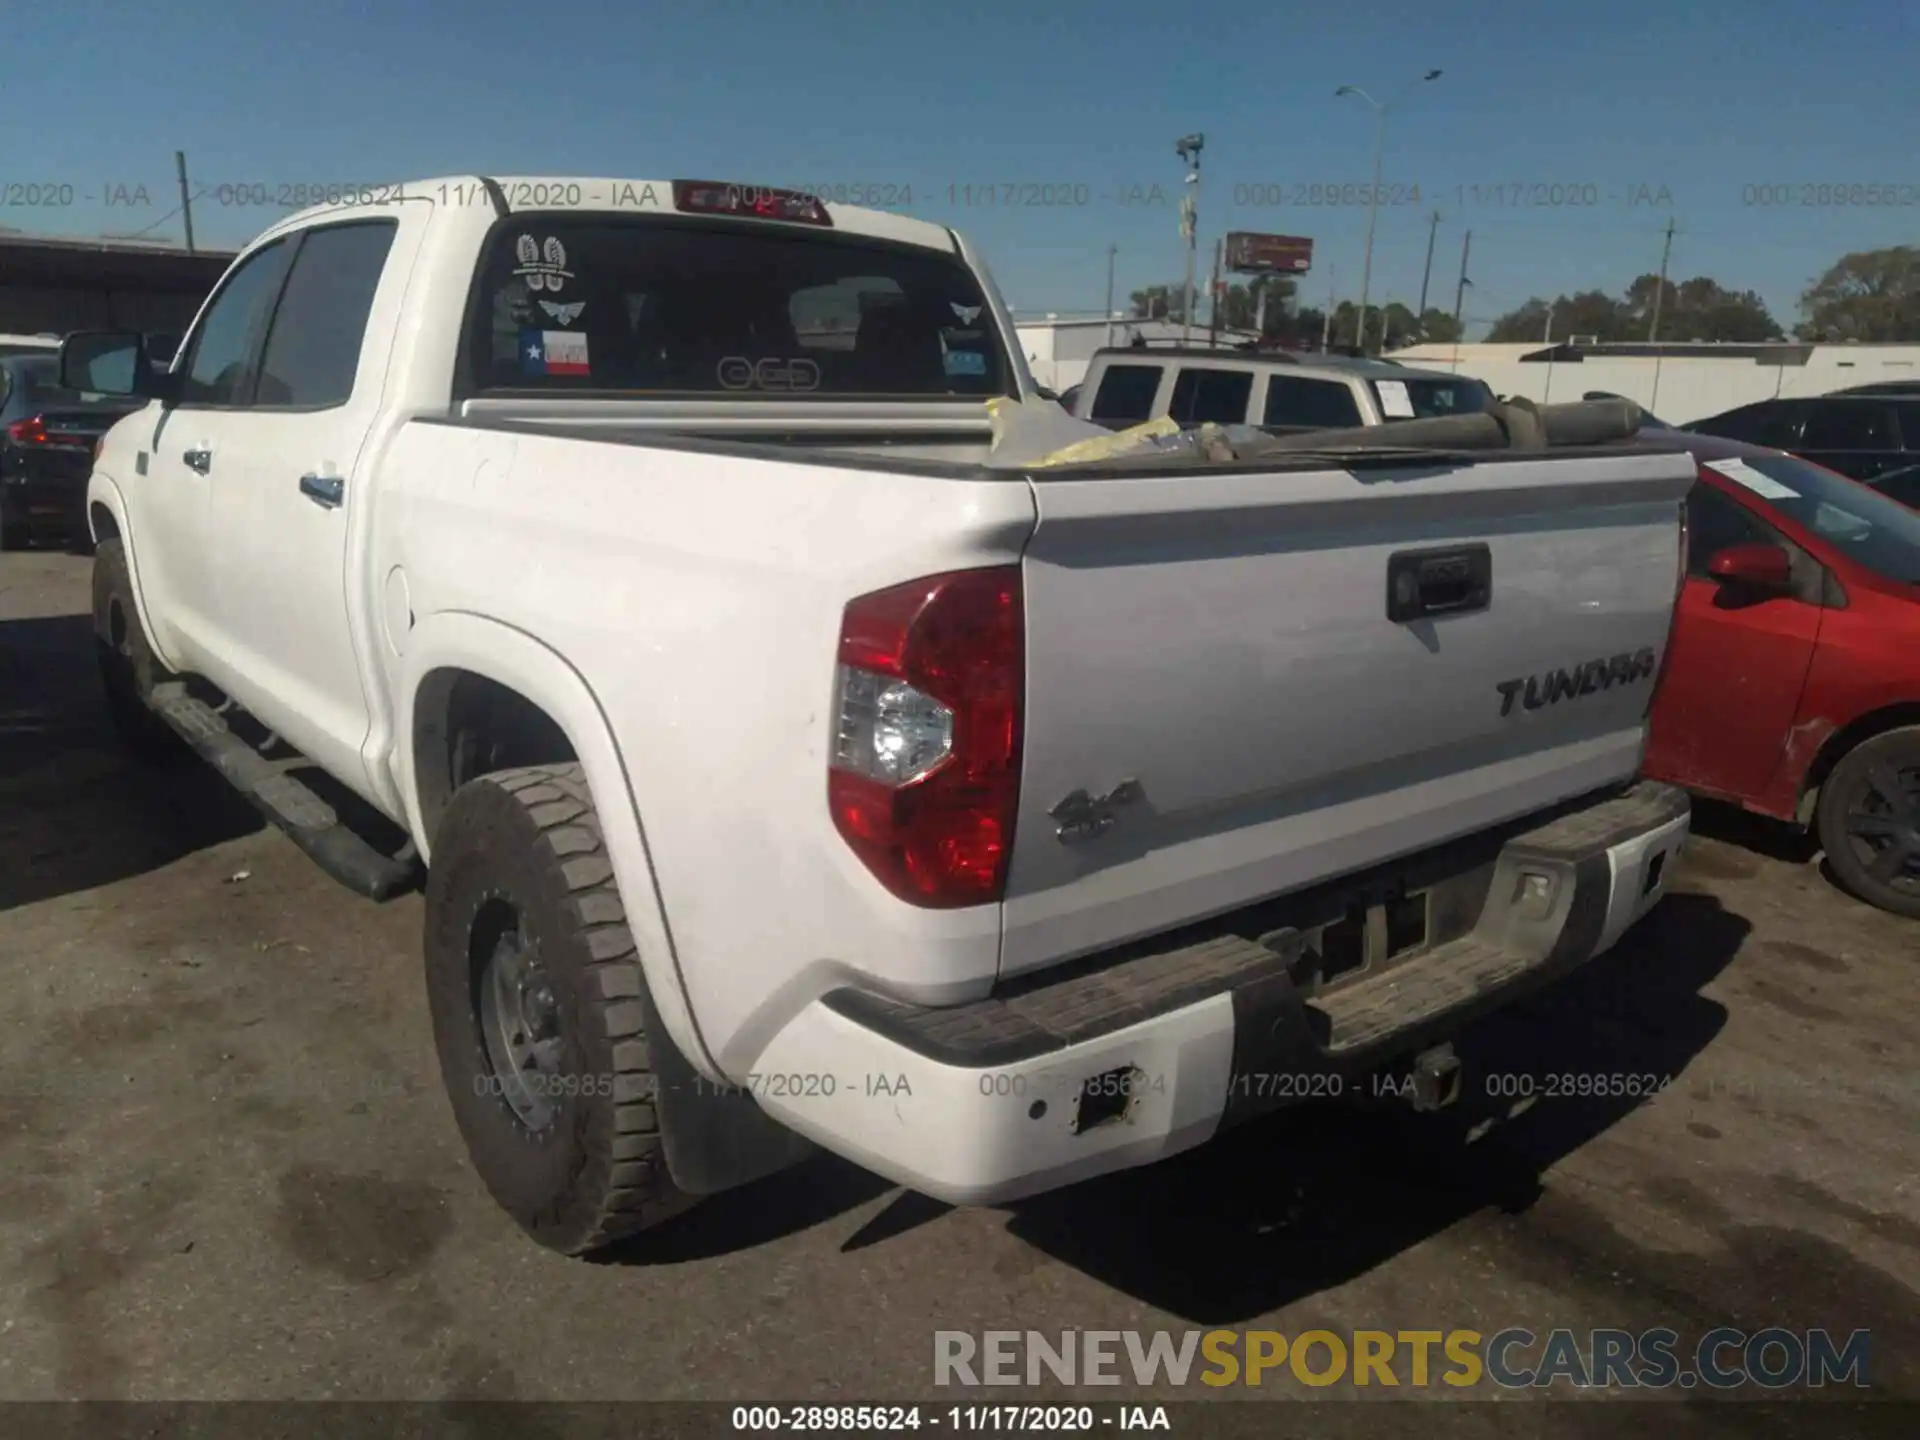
(106, 362)
(1756, 565)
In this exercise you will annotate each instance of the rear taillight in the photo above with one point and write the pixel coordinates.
(31, 431)
(924, 776)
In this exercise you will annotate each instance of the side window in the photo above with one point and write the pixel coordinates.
(1772, 423)
(224, 344)
(6, 385)
(1312, 404)
(313, 347)
(1847, 427)
(1126, 393)
(1713, 523)
(1908, 414)
(1216, 396)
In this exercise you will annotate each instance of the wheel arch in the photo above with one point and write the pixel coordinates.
(1856, 731)
(452, 653)
(107, 520)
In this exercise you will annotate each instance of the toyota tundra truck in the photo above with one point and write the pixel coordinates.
(785, 765)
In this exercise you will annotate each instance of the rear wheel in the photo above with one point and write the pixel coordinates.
(129, 669)
(535, 987)
(1869, 821)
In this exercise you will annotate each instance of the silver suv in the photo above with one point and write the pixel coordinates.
(1270, 389)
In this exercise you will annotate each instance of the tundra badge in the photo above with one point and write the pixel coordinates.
(1082, 816)
(1557, 685)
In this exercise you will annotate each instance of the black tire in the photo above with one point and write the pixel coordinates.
(129, 669)
(1869, 821)
(520, 869)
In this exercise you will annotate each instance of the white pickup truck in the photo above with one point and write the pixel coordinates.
(786, 769)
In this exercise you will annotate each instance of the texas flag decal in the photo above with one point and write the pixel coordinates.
(553, 352)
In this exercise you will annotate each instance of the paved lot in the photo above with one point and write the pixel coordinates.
(227, 1170)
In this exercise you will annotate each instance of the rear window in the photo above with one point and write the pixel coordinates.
(1769, 423)
(1126, 394)
(1413, 399)
(1216, 397)
(1297, 403)
(1847, 426)
(671, 306)
(40, 384)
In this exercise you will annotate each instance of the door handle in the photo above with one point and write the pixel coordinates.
(1453, 581)
(200, 460)
(324, 490)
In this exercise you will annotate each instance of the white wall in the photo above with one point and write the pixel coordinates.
(1678, 390)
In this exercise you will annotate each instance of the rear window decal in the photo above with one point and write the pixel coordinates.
(965, 362)
(553, 352)
(543, 264)
(799, 374)
(1395, 403)
(563, 314)
(967, 313)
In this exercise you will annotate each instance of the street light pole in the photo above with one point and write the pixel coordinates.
(1112, 251)
(1373, 200)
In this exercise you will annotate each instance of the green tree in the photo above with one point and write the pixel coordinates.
(1159, 302)
(1866, 295)
(1696, 309)
(1437, 327)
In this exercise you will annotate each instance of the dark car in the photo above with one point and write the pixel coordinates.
(1859, 435)
(1885, 387)
(47, 438)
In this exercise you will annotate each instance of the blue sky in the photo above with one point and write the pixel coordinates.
(1611, 103)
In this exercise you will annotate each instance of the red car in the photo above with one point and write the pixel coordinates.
(1792, 686)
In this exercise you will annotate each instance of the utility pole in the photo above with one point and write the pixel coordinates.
(1460, 291)
(1326, 321)
(1112, 251)
(1262, 284)
(1660, 291)
(186, 197)
(1188, 148)
(1433, 229)
(1213, 310)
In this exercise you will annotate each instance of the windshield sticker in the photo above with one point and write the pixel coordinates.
(553, 352)
(736, 372)
(966, 362)
(563, 314)
(543, 264)
(1395, 404)
(967, 313)
(1744, 475)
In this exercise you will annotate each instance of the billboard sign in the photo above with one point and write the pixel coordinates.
(1251, 254)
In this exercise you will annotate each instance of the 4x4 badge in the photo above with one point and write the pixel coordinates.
(1082, 816)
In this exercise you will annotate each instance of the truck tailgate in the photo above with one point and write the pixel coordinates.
(1220, 707)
